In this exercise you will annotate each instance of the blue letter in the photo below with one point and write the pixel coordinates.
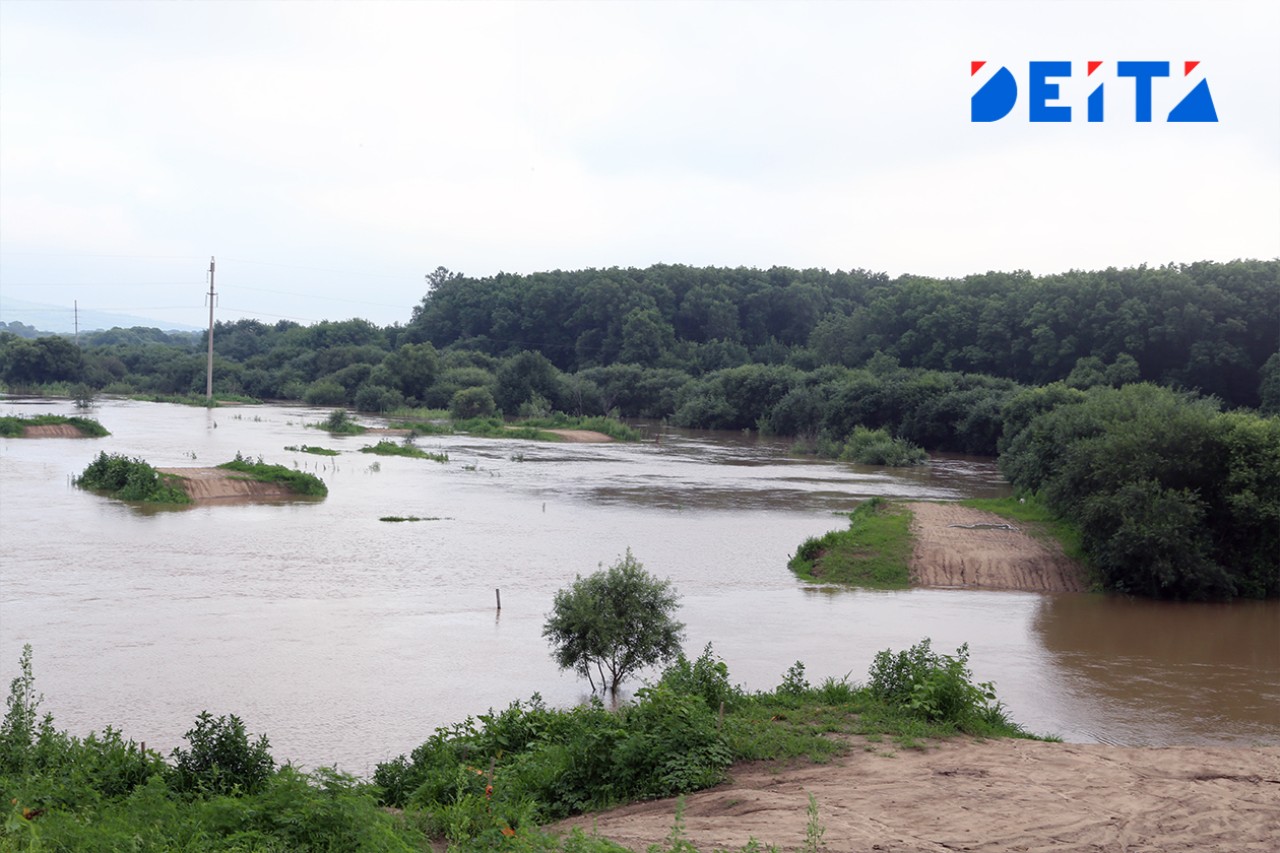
(1142, 72)
(1196, 106)
(1095, 103)
(994, 100)
(1039, 91)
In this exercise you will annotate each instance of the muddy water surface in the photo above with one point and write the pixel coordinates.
(347, 639)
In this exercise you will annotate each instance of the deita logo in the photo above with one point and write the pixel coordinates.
(998, 95)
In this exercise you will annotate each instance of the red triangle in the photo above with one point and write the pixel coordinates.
(1093, 65)
(975, 65)
(1188, 66)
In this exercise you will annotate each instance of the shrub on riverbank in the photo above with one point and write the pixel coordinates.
(505, 772)
(128, 479)
(873, 551)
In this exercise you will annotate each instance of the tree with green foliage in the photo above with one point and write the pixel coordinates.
(614, 622)
(1173, 498)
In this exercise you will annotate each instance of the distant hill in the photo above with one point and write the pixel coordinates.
(60, 319)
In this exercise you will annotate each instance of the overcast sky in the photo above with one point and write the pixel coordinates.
(331, 154)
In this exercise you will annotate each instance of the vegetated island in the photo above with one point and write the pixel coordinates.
(50, 426)
(127, 479)
(555, 426)
(987, 544)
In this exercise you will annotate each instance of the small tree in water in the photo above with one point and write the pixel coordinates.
(615, 621)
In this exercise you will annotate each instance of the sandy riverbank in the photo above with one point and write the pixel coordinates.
(52, 431)
(213, 484)
(956, 546)
(1005, 795)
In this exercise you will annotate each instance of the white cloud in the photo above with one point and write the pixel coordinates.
(378, 140)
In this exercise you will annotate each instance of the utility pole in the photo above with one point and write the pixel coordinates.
(208, 382)
(76, 304)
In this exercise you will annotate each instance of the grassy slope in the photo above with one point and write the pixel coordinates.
(874, 551)
(299, 482)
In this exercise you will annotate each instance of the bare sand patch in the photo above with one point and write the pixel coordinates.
(51, 431)
(992, 796)
(581, 436)
(957, 546)
(213, 484)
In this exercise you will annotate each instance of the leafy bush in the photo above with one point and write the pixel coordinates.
(877, 447)
(131, 480)
(706, 677)
(938, 688)
(670, 744)
(339, 422)
(221, 759)
(470, 403)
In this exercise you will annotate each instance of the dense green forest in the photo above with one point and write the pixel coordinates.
(1005, 363)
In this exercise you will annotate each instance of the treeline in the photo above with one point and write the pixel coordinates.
(1205, 327)
(1202, 326)
(996, 363)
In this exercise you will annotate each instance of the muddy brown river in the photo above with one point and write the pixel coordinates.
(347, 640)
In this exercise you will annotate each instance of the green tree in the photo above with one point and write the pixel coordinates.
(471, 403)
(614, 621)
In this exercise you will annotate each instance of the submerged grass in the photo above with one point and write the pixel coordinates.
(399, 518)
(874, 551)
(195, 399)
(318, 451)
(13, 426)
(390, 448)
(611, 427)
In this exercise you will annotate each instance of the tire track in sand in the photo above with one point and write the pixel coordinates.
(985, 558)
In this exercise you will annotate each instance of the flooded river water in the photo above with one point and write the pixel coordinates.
(347, 639)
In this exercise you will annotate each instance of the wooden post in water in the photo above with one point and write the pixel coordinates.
(498, 594)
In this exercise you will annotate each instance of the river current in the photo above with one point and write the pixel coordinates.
(347, 639)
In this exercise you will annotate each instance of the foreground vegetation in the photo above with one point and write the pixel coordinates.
(873, 551)
(484, 784)
(127, 479)
(13, 426)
